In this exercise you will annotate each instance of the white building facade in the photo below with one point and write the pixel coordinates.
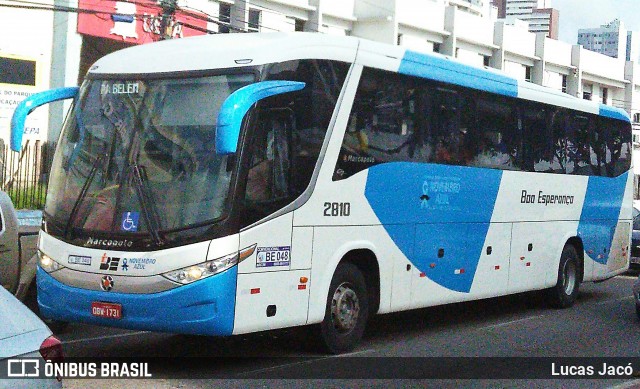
(460, 28)
(25, 63)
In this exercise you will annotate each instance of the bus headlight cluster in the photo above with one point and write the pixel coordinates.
(47, 263)
(203, 270)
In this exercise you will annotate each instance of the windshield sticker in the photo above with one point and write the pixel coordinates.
(273, 256)
(137, 263)
(109, 263)
(79, 260)
(130, 221)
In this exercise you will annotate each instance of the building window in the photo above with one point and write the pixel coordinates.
(254, 20)
(527, 73)
(564, 83)
(399, 40)
(225, 18)
(17, 71)
(299, 25)
(636, 117)
(436, 47)
(605, 95)
(486, 59)
(586, 95)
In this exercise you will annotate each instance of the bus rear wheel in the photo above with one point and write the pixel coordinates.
(565, 292)
(346, 312)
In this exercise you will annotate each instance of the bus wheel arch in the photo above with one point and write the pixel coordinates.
(353, 296)
(570, 274)
(367, 262)
(576, 242)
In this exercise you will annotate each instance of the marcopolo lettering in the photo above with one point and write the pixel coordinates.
(109, 242)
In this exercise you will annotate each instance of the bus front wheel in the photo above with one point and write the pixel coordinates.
(565, 292)
(347, 310)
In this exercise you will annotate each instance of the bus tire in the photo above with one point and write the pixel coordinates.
(565, 292)
(346, 312)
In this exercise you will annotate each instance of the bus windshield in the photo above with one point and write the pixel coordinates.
(138, 157)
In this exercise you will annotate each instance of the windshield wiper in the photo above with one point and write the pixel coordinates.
(149, 211)
(83, 193)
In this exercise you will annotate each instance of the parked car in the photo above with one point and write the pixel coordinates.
(24, 335)
(634, 262)
(18, 248)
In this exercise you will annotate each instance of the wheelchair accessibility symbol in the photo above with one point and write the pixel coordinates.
(130, 221)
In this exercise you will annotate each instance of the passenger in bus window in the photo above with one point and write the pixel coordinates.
(259, 180)
(443, 152)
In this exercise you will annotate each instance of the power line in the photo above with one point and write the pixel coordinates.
(19, 4)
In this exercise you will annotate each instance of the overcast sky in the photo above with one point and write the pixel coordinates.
(575, 14)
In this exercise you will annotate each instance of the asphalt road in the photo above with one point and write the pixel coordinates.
(603, 323)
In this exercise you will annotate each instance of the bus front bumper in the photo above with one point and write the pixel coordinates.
(205, 307)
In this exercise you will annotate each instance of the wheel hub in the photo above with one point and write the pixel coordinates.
(345, 308)
(569, 277)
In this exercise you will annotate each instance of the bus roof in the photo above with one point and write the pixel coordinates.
(222, 51)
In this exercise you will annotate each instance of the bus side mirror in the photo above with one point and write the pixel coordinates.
(29, 104)
(236, 106)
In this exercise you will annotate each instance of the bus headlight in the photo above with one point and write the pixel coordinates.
(47, 263)
(203, 270)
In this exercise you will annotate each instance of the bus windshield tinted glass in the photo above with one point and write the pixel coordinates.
(138, 156)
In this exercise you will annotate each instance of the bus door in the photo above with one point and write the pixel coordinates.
(272, 284)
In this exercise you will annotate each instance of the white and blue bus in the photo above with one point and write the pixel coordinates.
(235, 183)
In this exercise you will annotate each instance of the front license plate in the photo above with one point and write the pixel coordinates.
(108, 310)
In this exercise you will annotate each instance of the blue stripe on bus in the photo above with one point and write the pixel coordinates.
(449, 71)
(438, 216)
(600, 214)
(614, 113)
(205, 307)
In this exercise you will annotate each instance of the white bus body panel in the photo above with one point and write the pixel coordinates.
(204, 53)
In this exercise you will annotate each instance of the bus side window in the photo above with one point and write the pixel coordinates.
(498, 134)
(577, 140)
(617, 147)
(268, 177)
(382, 125)
(553, 159)
(312, 109)
(584, 147)
(445, 128)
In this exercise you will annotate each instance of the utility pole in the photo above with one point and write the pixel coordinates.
(168, 11)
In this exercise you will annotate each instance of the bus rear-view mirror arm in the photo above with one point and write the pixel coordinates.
(236, 106)
(29, 104)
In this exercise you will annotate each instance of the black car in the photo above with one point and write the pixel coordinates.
(634, 263)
